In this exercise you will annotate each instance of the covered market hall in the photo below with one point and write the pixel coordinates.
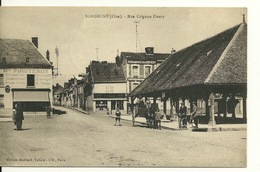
(212, 73)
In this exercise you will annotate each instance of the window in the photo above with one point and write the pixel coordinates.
(129, 72)
(30, 81)
(120, 104)
(147, 70)
(101, 105)
(1, 80)
(135, 71)
(1, 100)
(135, 84)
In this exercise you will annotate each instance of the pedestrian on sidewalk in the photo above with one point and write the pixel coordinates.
(19, 116)
(158, 116)
(14, 116)
(182, 116)
(118, 116)
(48, 111)
(194, 115)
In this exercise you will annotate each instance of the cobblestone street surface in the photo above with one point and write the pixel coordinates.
(77, 139)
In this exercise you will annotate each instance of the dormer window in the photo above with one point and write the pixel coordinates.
(27, 60)
(4, 60)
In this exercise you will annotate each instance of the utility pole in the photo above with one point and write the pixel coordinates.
(97, 53)
(57, 55)
(136, 33)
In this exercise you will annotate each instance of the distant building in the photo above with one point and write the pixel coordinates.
(25, 75)
(109, 87)
(57, 90)
(138, 66)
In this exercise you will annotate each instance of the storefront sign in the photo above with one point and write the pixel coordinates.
(116, 95)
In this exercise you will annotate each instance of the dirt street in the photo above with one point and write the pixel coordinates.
(76, 139)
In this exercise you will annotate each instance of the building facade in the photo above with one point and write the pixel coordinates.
(25, 75)
(138, 66)
(108, 87)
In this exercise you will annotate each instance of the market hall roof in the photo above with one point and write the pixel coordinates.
(17, 53)
(103, 72)
(219, 60)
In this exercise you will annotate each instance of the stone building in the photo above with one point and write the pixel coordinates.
(25, 75)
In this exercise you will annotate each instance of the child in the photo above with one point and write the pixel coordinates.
(118, 116)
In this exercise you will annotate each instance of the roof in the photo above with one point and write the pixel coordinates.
(221, 59)
(13, 54)
(57, 89)
(107, 72)
(144, 56)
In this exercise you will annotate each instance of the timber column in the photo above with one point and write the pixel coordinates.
(212, 121)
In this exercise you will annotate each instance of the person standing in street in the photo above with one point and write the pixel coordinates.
(194, 115)
(158, 116)
(118, 117)
(182, 116)
(48, 111)
(19, 116)
(14, 116)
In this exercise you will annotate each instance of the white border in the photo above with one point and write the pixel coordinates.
(253, 67)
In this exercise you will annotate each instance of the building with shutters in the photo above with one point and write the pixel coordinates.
(138, 66)
(25, 75)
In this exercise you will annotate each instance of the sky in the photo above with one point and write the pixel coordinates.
(79, 31)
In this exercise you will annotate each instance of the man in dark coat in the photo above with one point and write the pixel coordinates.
(194, 115)
(182, 116)
(19, 116)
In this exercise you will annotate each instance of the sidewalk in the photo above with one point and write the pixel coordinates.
(173, 125)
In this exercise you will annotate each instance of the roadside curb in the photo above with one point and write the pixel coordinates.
(202, 129)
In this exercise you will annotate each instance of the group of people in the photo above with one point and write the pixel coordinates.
(182, 116)
(153, 116)
(17, 116)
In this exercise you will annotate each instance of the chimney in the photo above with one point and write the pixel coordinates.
(244, 20)
(48, 55)
(149, 50)
(173, 51)
(118, 63)
(35, 41)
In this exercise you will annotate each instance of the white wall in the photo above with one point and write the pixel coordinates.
(17, 78)
(109, 88)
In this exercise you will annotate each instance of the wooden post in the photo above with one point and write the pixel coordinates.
(225, 105)
(207, 107)
(212, 121)
(244, 109)
(164, 105)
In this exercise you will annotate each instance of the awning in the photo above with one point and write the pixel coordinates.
(31, 96)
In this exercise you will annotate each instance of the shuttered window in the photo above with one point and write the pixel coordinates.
(1, 80)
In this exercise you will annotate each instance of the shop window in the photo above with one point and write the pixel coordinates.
(30, 80)
(1, 80)
(1, 100)
(120, 104)
(101, 105)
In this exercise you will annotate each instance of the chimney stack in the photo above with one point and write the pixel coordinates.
(244, 20)
(35, 41)
(48, 55)
(149, 50)
(173, 51)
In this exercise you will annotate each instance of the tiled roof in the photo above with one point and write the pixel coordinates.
(107, 72)
(57, 89)
(221, 59)
(144, 56)
(13, 54)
